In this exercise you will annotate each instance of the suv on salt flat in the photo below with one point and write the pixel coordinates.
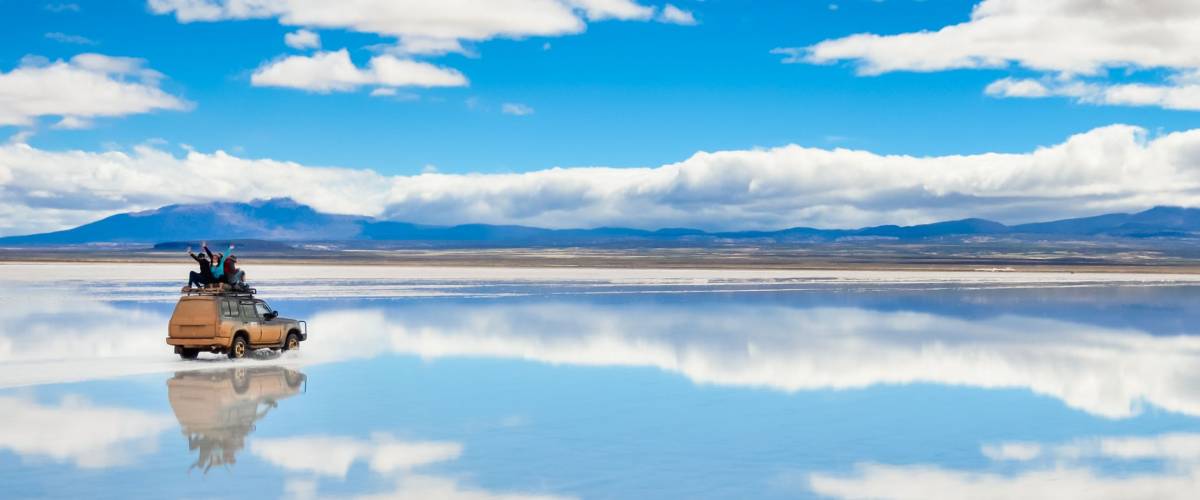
(230, 323)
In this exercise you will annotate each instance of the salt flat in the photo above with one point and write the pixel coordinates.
(786, 383)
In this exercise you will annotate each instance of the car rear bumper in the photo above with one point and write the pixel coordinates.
(203, 342)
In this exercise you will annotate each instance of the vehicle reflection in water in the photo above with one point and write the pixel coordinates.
(217, 409)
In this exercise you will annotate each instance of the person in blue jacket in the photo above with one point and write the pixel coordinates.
(218, 267)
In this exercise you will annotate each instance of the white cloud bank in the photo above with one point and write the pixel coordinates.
(1067, 38)
(77, 90)
(1110, 168)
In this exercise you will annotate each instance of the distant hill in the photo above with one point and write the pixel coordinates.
(276, 219)
(265, 223)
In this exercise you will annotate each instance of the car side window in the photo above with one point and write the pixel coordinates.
(262, 309)
(248, 312)
(228, 309)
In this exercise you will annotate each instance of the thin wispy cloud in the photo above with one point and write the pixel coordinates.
(516, 109)
(63, 7)
(73, 39)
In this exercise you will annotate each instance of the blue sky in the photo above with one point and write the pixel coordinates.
(620, 94)
(626, 91)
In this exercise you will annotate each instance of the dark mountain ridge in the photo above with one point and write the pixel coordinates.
(283, 219)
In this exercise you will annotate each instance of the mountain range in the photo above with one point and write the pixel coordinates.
(284, 220)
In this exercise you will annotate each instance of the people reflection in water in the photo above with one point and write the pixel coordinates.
(218, 409)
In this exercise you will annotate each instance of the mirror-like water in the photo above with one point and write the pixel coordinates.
(586, 386)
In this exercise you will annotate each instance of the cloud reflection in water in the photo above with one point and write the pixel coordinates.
(1104, 371)
(1072, 470)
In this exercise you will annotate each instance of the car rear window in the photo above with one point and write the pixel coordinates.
(195, 311)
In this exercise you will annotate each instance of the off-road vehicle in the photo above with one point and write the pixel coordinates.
(233, 323)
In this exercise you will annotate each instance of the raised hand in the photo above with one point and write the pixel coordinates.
(189, 249)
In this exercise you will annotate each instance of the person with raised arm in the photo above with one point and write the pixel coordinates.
(205, 276)
(218, 265)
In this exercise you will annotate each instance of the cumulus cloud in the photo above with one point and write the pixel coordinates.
(84, 87)
(335, 72)
(1106, 169)
(302, 39)
(1068, 38)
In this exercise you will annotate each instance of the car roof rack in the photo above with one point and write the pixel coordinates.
(218, 291)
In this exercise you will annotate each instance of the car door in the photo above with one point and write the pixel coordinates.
(251, 321)
(272, 330)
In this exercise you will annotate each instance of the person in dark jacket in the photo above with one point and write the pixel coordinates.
(205, 276)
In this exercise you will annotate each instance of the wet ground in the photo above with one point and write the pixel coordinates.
(560, 383)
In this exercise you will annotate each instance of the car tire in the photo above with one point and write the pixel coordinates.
(186, 353)
(239, 348)
(292, 343)
(241, 382)
(294, 379)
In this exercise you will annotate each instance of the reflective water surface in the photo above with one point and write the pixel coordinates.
(684, 386)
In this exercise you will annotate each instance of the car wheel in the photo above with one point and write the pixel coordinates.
(239, 348)
(292, 343)
(240, 381)
(189, 353)
(294, 379)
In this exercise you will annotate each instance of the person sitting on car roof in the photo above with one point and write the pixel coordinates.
(233, 275)
(218, 267)
(205, 276)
